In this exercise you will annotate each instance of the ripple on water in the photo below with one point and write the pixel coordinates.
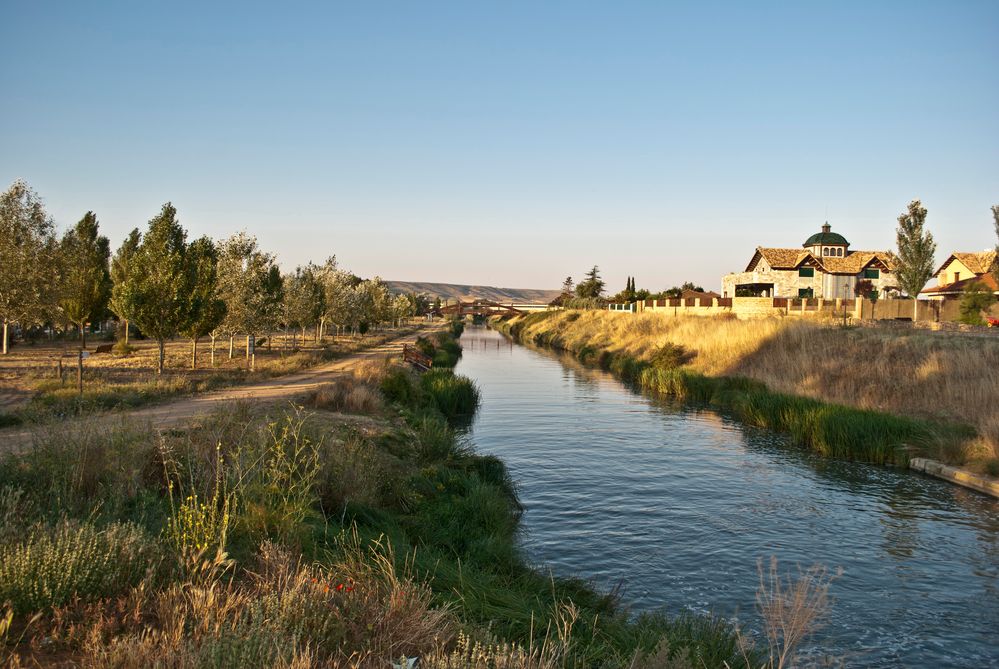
(678, 505)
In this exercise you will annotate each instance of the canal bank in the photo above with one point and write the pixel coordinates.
(677, 504)
(676, 370)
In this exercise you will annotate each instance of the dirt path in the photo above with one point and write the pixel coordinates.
(173, 413)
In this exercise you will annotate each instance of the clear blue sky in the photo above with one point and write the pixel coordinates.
(510, 143)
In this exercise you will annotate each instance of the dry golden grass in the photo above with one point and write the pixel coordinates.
(929, 375)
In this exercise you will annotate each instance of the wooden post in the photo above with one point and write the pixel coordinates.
(59, 367)
(79, 372)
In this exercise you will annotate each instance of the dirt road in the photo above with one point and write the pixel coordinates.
(180, 411)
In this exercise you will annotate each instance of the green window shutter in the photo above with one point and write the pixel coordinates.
(807, 272)
(872, 273)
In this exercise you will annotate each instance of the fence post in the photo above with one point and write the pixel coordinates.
(79, 372)
(59, 368)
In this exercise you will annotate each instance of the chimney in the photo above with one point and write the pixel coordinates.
(826, 227)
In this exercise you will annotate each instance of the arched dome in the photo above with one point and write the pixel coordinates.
(826, 238)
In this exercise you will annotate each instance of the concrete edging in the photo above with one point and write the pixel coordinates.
(961, 477)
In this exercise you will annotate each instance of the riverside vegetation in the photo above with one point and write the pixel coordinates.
(855, 393)
(352, 529)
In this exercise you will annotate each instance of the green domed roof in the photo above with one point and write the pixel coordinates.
(826, 238)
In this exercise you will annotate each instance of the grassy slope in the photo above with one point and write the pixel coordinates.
(854, 393)
(361, 527)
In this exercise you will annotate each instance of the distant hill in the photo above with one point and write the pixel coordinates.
(455, 291)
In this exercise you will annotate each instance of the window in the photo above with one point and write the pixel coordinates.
(839, 252)
(806, 272)
(957, 277)
(872, 273)
(805, 293)
(825, 251)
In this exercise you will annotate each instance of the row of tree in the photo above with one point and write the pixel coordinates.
(166, 286)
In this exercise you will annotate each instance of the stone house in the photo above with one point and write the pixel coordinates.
(824, 267)
(959, 271)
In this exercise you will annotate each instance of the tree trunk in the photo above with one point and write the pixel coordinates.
(247, 347)
(270, 336)
(159, 366)
(213, 350)
(194, 352)
(915, 309)
(231, 338)
(126, 332)
(5, 336)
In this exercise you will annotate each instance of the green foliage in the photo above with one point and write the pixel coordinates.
(914, 263)
(450, 394)
(207, 309)
(976, 299)
(455, 327)
(52, 565)
(279, 495)
(397, 386)
(28, 250)
(85, 281)
(157, 292)
(249, 282)
(121, 266)
(671, 355)
(592, 286)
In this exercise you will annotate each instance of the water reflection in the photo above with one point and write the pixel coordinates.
(677, 504)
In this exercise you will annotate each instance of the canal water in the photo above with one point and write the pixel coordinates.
(677, 505)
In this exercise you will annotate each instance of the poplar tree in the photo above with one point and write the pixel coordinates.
(303, 299)
(27, 254)
(250, 283)
(158, 292)
(85, 283)
(914, 264)
(207, 309)
(120, 274)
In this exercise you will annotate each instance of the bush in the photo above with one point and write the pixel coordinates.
(54, 565)
(397, 386)
(976, 299)
(452, 395)
(345, 395)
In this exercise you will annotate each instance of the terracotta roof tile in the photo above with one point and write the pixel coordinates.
(781, 258)
(979, 263)
(856, 261)
(988, 280)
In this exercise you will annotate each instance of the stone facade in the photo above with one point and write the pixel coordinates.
(824, 267)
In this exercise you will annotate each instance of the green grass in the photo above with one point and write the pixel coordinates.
(452, 395)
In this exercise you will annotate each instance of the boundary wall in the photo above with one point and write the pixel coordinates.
(753, 307)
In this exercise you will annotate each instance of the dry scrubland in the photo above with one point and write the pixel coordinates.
(30, 389)
(923, 375)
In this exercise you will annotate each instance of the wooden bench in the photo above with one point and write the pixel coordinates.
(103, 348)
(416, 358)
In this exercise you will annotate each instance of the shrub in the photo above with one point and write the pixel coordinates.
(345, 395)
(452, 395)
(671, 355)
(56, 564)
(397, 386)
(976, 299)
